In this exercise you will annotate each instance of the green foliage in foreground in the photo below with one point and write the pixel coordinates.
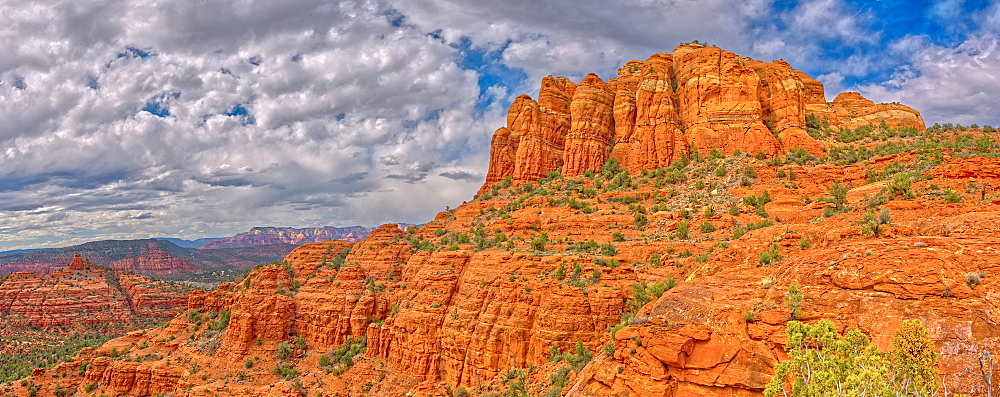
(824, 363)
(13, 367)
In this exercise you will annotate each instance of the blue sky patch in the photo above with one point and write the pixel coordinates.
(492, 71)
(157, 106)
(239, 111)
(880, 24)
(133, 52)
(395, 18)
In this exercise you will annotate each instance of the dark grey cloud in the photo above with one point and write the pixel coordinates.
(462, 175)
(350, 178)
(412, 177)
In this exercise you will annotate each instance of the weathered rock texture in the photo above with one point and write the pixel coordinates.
(85, 295)
(658, 110)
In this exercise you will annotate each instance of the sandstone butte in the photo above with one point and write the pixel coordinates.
(659, 110)
(83, 296)
(478, 300)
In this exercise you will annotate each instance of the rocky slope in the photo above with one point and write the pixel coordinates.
(83, 295)
(288, 235)
(618, 280)
(151, 257)
(659, 110)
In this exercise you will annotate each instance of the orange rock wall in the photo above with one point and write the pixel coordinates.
(657, 110)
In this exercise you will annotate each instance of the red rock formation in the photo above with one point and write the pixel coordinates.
(592, 124)
(463, 317)
(851, 110)
(655, 111)
(77, 263)
(658, 138)
(85, 294)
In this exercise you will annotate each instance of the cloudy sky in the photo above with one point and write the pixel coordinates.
(133, 119)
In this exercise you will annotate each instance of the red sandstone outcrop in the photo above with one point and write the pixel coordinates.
(85, 294)
(851, 110)
(463, 317)
(657, 110)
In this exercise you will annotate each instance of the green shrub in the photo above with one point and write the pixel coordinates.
(707, 227)
(952, 196)
(683, 229)
(538, 243)
(284, 351)
(285, 371)
(900, 186)
(640, 219)
(793, 301)
(608, 250)
(654, 260)
(560, 272)
(770, 257)
(873, 225)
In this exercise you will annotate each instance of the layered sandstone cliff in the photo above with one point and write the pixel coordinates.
(87, 296)
(656, 111)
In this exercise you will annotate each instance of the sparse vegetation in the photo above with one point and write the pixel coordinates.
(822, 362)
(793, 301)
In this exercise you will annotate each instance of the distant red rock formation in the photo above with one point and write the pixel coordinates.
(78, 263)
(86, 294)
(288, 235)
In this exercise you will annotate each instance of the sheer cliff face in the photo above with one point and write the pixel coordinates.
(697, 98)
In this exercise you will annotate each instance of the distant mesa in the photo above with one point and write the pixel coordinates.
(697, 99)
(288, 235)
